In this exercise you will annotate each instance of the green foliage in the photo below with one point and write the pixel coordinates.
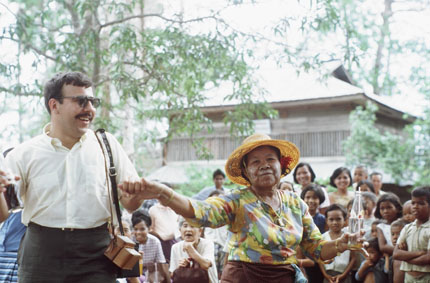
(167, 70)
(405, 157)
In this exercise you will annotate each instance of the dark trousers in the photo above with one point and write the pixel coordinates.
(53, 255)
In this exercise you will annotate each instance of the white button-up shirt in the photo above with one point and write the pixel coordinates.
(63, 187)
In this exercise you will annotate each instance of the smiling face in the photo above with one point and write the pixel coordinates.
(141, 232)
(69, 118)
(342, 181)
(263, 168)
(312, 200)
(335, 220)
(189, 233)
(303, 176)
(420, 208)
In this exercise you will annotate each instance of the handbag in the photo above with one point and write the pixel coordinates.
(121, 248)
(193, 273)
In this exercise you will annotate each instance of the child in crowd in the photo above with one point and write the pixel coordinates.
(372, 269)
(374, 229)
(388, 208)
(286, 186)
(149, 245)
(341, 179)
(394, 272)
(408, 216)
(360, 174)
(313, 196)
(369, 204)
(366, 186)
(414, 241)
(339, 269)
(193, 247)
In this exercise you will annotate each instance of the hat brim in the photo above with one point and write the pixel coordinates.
(233, 167)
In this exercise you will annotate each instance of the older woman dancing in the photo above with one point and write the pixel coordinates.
(267, 224)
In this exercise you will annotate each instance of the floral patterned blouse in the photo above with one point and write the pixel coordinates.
(259, 233)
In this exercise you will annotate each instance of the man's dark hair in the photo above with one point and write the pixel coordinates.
(53, 87)
(313, 188)
(302, 164)
(423, 191)
(334, 207)
(375, 174)
(218, 172)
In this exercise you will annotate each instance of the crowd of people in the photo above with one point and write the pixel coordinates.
(57, 219)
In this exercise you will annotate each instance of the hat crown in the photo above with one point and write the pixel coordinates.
(256, 137)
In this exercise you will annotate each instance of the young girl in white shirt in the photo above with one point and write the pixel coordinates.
(338, 270)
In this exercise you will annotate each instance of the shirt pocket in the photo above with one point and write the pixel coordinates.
(95, 181)
(45, 188)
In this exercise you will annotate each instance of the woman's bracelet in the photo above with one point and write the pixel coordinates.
(172, 194)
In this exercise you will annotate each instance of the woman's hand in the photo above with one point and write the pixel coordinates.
(360, 246)
(189, 248)
(184, 262)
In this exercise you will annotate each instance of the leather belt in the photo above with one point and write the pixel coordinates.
(40, 227)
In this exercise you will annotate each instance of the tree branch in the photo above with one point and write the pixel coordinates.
(158, 16)
(35, 49)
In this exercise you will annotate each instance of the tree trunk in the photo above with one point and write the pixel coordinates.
(384, 31)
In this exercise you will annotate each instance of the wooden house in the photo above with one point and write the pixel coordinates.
(313, 115)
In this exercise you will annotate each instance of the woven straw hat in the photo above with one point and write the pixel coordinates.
(289, 156)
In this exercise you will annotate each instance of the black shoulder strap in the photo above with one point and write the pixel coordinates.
(112, 175)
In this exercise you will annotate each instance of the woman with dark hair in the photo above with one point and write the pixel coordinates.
(341, 179)
(304, 175)
(267, 225)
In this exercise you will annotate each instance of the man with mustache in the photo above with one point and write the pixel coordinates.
(63, 186)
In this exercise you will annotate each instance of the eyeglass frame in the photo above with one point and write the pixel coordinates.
(83, 100)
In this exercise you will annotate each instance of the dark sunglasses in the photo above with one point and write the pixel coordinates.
(82, 100)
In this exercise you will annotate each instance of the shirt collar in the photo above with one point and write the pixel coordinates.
(55, 142)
